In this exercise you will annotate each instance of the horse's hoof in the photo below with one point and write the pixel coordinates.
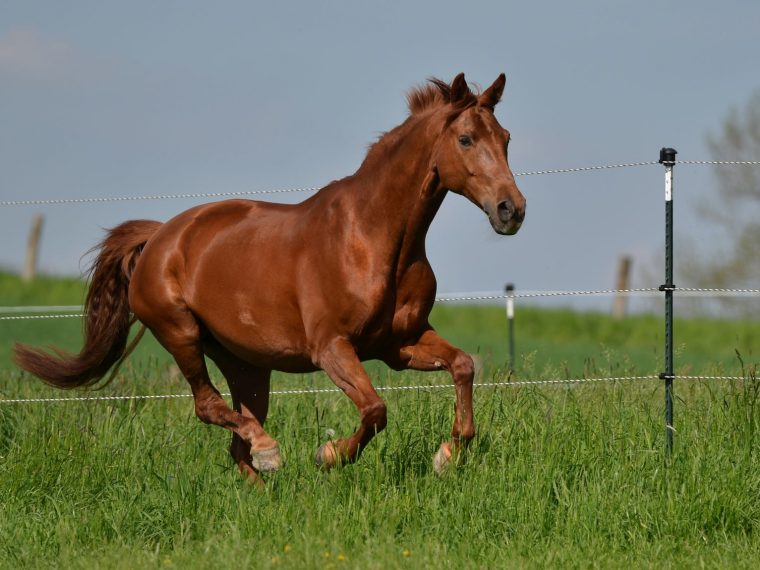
(266, 459)
(327, 456)
(442, 459)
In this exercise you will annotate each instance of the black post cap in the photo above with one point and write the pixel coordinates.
(667, 155)
(510, 287)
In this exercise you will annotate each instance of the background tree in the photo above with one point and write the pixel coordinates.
(734, 210)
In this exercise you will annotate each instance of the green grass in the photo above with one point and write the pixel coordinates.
(43, 290)
(594, 344)
(571, 477)
(562, 476)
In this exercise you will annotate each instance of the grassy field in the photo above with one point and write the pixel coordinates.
(561, 476)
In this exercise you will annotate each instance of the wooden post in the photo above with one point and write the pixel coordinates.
(620, 303)
(32, 249)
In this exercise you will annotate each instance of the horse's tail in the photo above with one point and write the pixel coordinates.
(107, 320)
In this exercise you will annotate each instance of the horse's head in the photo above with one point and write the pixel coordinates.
(471, 154)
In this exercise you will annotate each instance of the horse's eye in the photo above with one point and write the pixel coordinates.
(464, 140)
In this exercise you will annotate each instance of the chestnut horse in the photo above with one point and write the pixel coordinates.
(340, 278)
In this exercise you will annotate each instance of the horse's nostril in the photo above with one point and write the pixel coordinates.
(505, 210)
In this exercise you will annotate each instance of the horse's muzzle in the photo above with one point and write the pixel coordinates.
(506, 218)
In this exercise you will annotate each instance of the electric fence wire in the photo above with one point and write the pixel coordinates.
(422, 387)
(106, 199)
(451, 298)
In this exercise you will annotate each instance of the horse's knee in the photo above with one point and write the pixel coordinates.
(463, 368)
(375, 416)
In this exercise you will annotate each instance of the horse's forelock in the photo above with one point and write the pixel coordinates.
(426, 97)
(436, 93)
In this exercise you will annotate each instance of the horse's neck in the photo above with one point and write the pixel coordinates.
(400, 192)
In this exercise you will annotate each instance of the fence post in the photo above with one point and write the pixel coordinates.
(620, 302)
(510, 289)
(32, 249)
(668, 160)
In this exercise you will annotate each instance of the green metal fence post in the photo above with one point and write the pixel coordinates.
(668, 160)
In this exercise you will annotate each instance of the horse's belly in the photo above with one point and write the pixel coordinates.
(263, 344)
(265, 357)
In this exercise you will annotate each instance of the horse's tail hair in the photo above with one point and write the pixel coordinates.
(107, 319)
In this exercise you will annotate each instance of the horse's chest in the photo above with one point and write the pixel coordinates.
(407, 313)
(411, 317)
(394, 310)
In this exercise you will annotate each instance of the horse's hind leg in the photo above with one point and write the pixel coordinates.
(178, 331)
(249, 387)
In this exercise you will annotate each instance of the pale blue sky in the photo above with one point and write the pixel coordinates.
(106, 99)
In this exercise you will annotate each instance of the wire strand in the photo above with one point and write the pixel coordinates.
(586, 168)
(720, 162)
(106, 199)
(324, 390)
(457, 298)
(40, 317)
(315, 391)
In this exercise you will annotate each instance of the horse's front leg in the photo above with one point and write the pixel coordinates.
(338, 358)
(431, 352)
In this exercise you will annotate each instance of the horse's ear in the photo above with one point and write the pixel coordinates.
(492, 95)
(459, 90)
